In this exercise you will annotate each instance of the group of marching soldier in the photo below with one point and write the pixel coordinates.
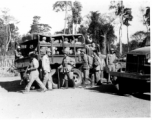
(92, 69)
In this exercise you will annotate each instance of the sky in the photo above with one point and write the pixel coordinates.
(24, 10)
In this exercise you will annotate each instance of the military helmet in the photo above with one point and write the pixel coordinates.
(66, 50)
(44, 38)
(48, 50)
(112, 49)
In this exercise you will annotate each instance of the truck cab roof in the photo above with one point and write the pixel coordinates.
(143, 50)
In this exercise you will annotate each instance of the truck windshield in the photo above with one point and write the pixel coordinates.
(28, 47)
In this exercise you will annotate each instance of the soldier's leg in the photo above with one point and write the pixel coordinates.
(70, 77)
(50, 82)
(113, 69)
(97, 74)
(66, 80)
(31, 80)
(63, 80)
(46, 78)
(40, 83)
(86, 76)
(50, 79)
(101, 73)
(108, 80)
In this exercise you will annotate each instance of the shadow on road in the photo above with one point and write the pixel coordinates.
(143, 96)
(106, 88)
(110, 89)
(12, 86)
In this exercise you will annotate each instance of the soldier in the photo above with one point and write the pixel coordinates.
(47, 70)
(18, 53)
(110, 62)
(66, 40)
(34, 74)
(85, 66)
(102, 64)
(66, 67)
(96, 67)
(43, 40)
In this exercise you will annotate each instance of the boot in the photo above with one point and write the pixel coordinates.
(73, 84)
(83, 84)
(66, 83)
(92, 81)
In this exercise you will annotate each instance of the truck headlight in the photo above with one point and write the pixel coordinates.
(149, 61)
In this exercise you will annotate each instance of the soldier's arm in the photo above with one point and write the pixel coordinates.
(34, 65)
(16, 53)
(72, 62)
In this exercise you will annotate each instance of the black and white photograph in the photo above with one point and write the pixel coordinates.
(75, 59)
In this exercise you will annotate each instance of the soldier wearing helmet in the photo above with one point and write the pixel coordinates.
(110, 61)
(86, 65)
(67, 64)
(43, 40)
(18, 53)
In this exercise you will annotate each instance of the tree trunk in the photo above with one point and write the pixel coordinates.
(104, 50)
(128, 38)
(120, 42)
(73, 28)
(76, 26)
(65, 18)
(8, 37)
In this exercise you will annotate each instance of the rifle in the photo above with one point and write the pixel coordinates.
(24, 75)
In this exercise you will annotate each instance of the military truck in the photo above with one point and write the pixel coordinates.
(136, 76)
(56, 43)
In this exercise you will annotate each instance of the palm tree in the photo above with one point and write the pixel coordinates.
(147, 17)
(107, 31)
(76, 9)
(63, 6)
(119, 10)
(94, 25)
(126, 18)
(100, 26)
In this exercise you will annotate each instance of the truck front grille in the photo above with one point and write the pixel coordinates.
(135, 63)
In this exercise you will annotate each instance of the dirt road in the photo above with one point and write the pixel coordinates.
(97, 102)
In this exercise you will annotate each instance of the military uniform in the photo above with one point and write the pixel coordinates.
(102, 63)
(18, 53)
(47, 71)
(96, 68)
(111, 58)
(67, 64)
(34, 75)
(85, 66)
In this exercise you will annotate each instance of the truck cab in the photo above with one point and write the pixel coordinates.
(136, 77)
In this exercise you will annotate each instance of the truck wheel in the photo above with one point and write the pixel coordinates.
(77, 77)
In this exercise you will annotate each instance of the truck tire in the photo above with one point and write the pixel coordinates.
(77, 77)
